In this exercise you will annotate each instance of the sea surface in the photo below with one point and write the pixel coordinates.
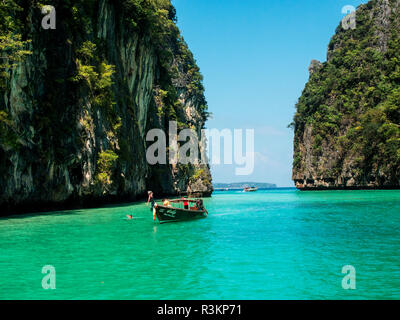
(271, 244)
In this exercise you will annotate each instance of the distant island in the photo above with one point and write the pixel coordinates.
(241, 185)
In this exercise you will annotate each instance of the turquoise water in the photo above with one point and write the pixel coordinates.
(273, 244)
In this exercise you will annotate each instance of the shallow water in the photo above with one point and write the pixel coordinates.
(272, 244)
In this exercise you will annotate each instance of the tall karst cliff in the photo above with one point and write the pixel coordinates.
(347, 124)
(77, 102)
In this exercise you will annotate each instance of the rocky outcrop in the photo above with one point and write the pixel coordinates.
(315, 66)
(81, 104)
(347, 124)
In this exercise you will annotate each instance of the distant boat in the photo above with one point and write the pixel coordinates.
(181, 210)
(250, 189)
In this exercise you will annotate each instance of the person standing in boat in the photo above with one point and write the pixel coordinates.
(153, 204)
(185, 203)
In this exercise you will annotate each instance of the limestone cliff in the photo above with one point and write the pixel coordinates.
(347, 124)
(76, 110)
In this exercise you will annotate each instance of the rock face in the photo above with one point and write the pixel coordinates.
(347, 124)
(81, 104)
(315, 66)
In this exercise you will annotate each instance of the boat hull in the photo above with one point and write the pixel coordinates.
(171, 214)
(250, 190)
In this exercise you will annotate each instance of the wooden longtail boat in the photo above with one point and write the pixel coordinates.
(179, 212)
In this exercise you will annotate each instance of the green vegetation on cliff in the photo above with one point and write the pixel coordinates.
(77, 102)
(12, 51)
(351, 105)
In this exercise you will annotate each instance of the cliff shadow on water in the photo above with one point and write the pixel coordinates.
(77, 103)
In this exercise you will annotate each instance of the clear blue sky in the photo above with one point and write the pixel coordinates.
(254, 57)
